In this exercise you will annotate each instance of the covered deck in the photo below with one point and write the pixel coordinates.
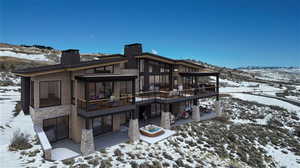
(106, 94)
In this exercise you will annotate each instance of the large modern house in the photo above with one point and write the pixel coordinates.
(79, 100)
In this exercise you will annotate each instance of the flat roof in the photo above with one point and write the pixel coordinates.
(105, 77)
(199, 73)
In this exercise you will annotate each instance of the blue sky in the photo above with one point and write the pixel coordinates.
(228, 33)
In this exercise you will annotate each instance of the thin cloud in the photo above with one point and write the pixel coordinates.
(154, 51)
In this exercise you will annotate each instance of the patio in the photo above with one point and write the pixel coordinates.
(114, 138)
(101, 141)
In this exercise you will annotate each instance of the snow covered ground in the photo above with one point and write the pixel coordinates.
(37, 57)
(8, 123)
(267, 101)
(254, 87)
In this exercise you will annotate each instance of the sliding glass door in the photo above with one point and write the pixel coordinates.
(56, 128)
(102, 125)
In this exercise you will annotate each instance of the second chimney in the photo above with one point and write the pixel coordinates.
(130, 51)
(69, 57)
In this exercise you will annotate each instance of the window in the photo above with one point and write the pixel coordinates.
(125, 88)
(102, 125)
(56, 128)
(32, 93)
(105, 69)
(100, 90)
(142, 65)
(89, 71)
(150, 68)
(155, 110)
(141, 83)
(50, 93)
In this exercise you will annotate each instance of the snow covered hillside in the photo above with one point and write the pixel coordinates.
(279, 74)
(38, 57)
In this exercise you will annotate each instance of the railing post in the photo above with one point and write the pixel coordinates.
(217, 89)
(86, 96)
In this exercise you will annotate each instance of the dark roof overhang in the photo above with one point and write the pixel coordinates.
(187, 74)
(107, 77)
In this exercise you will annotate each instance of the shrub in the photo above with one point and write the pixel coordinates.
(223, 119)
(297, 131)
(19, 141)
(68, 161)
(273, 122)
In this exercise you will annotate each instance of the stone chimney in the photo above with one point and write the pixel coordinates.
(130, 51)
(70, 56)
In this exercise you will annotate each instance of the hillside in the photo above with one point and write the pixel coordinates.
(24, 56)
(256, 129)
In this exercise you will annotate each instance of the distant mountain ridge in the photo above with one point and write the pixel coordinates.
(269, 67)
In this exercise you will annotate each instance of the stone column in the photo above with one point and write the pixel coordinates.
(48, 154)
(195, 113)
(116, 122)
(218, 108)
(133, 131)
(165, 120)
(87, 142)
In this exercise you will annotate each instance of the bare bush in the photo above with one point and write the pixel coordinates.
(19, 141)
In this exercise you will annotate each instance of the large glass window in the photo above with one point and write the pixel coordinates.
(102, 125)
(56, 128)
(50, 93)
(125, 88)
(141, 83)
(100, 90)
(155, 110)
(142, 65)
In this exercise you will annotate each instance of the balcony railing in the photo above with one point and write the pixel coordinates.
(103, 104)
(173, 94)
(141, 97)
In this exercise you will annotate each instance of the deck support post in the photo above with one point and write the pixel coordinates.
(195, 113)
(133, 131)
(87, 145)
(165, 120)
(218, 108)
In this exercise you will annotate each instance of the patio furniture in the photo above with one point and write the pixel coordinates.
(152, 130)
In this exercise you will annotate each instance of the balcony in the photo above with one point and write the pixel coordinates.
(105, 94)
(176, 95)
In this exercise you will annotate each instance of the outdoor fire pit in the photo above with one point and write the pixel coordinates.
(151, 130)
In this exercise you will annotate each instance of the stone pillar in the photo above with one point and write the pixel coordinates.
(133, 131)
(165, 120)
(87, 142)
(218, 108)
(116, 122)
(47, 154)
(195, 113)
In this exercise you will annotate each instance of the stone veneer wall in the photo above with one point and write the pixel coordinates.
(40, 114)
